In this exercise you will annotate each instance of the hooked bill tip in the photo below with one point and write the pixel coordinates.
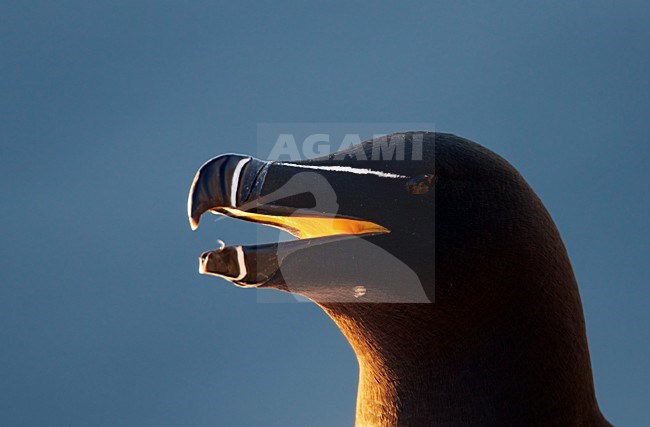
(194, 223)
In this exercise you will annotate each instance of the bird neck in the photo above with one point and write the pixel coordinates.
(461, 374)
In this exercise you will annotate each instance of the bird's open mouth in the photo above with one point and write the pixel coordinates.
(306, 226)
(231, 185)
(253, 264)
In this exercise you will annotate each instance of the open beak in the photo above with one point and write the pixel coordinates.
(266, 193)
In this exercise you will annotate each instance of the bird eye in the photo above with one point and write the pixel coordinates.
(420, 184)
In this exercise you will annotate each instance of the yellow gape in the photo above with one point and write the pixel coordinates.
(305, 227)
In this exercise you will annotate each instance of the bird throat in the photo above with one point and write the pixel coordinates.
(426, 377)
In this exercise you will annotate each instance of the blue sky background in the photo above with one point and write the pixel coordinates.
(108, 108)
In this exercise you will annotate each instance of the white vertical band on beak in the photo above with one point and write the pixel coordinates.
(235, 181)
(241, 262)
